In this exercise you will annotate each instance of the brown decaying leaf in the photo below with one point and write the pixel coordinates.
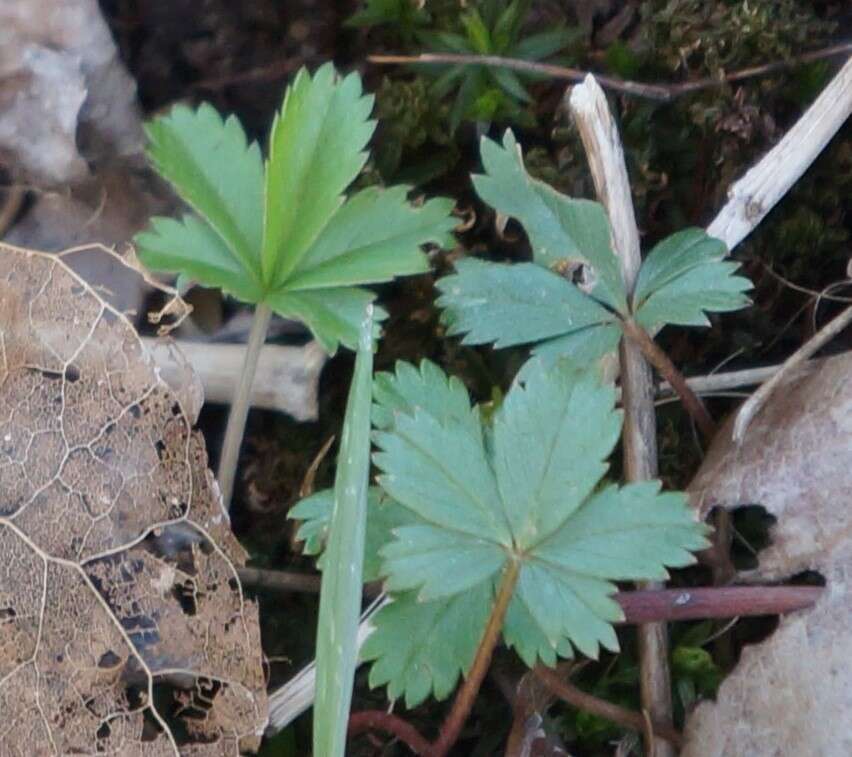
(792, 694)
(117, 563)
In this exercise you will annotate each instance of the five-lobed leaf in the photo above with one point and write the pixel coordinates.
(682, 278)
(546, 449)
(533, 501)
(286, 236)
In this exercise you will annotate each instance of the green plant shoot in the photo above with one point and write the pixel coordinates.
(281, 234)
(540, 304)
(489, 93)
(571, 300)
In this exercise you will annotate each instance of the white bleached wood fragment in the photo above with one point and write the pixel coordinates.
(606, 160)
(287, 378)
(756, 193)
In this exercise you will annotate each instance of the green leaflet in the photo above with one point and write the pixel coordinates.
(584, 347)
(284, 234)
(421, 648)
(340, 595)
(531, 493)
(383, 515)
(560, 228)
(571, 425)
(316, 149)
(684, 276)
(193, 248)
(211, 165)
(514, 304)
(375, 235)
(331, 314)
(426, 388)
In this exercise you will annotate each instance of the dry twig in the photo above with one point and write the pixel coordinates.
(660, 92)
(752, 405)
(756, 193)
(606, 160)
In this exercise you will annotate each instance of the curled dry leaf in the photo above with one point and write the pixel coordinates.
(123, 628)
(791, 694)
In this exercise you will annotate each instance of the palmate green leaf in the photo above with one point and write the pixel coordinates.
(685, 276)
(514, 304)
(288, 238)
(340, 594)
(560, 228)
(546, 459)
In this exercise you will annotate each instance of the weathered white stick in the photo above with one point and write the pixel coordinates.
(609, 172)
(716, 382)
(287, 378)
(752, 405)
(756, 193)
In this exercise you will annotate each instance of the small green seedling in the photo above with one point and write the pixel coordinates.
(489, 93)
(281, 234)
(502, 527)
(405, 16)
(540, 303)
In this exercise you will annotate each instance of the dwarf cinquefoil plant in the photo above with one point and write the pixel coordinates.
(501, 529)
(281, 234)
(540, 303)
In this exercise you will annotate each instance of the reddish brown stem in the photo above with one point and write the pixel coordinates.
(378, 720)
(660, 92)
(639, 607)
(612, 712)
(466, 695)
(723, 602)
(666, 368)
